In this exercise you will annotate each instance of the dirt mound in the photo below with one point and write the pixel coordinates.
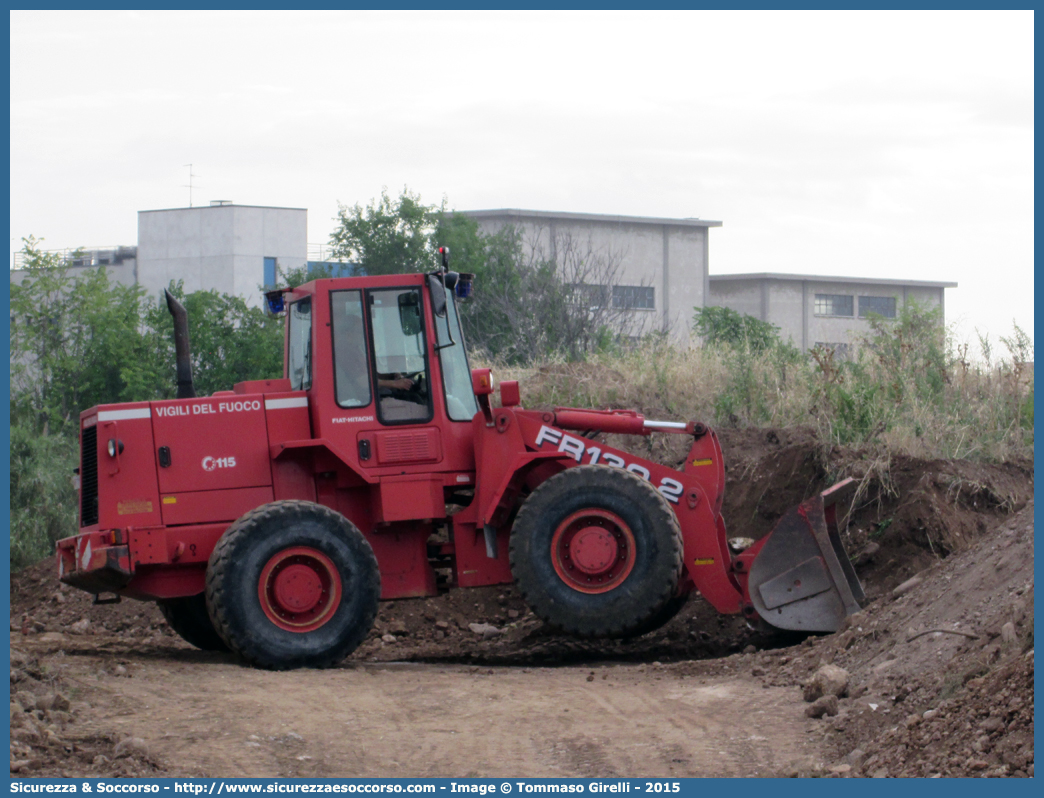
(907, 512)
(942, 667)
(986, 730)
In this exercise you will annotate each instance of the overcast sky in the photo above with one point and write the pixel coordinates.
(878, 144)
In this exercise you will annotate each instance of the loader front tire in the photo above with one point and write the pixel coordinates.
(188, 617)
(293, 584)
(597, 552)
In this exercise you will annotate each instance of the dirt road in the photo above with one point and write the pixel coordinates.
(203, 714)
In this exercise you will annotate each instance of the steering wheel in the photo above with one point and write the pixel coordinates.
(416, 393)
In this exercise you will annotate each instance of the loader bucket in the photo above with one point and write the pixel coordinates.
(801, 578)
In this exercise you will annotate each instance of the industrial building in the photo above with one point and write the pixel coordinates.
(812, 310)
(654, 270)
(233, 249)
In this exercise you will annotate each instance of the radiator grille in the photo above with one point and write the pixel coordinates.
(404, 447)
(89, 476)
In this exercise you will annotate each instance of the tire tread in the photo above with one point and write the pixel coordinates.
(614, 480)
(216, 582)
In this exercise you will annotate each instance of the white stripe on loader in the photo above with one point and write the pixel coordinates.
(281, 404)
(123, 415)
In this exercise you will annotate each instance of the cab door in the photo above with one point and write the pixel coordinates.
(384, 376)
(400, 360)
(402, 378)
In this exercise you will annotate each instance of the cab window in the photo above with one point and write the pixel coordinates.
(351, 374)
(299, 345)
(456, 376)
(399, 363)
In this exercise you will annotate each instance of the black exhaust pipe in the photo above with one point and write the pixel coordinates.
(181, 347)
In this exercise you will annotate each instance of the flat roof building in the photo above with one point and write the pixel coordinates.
(234, 249)
(656, 268)
(814, 310)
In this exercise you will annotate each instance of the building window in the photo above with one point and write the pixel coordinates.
(270, 272)
(589, 296)
(881, 305)
(841, 351)
(833, 305)
(634, 297)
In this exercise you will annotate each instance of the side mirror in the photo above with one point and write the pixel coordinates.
(409, 314)
(438, 295)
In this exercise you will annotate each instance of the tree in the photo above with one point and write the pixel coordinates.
(912, 349)
(388, 236)
(75, 342)
(230, 342)
(43, 499)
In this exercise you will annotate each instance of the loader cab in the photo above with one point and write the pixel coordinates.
(385, 365)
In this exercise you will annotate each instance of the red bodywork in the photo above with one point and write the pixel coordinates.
(185, 469)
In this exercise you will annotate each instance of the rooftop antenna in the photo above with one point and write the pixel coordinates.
(189, 186)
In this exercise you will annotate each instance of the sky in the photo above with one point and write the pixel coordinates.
(873, 144)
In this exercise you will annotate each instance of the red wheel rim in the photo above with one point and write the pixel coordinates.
(299, 589)
(593, 550)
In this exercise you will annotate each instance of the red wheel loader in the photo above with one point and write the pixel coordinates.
(270, 519)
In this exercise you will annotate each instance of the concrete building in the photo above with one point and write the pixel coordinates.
(813, 311)
(655, 268)
(234, 249)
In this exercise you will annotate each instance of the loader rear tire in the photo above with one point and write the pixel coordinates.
(597, 552)
(188, 617)
(293, 584)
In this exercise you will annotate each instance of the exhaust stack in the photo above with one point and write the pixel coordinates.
(181, 347)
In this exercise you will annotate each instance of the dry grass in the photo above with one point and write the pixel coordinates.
(927, 406)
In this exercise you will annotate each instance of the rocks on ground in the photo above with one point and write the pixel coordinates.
(47, 734)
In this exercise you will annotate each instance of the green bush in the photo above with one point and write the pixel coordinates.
(726, 327)
(43, 499)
